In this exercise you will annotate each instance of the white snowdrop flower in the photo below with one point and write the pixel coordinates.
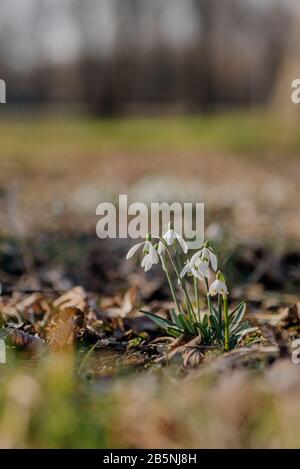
(218, 286)
(161, 248)
(170, 236)
(146, 247)
(187, 270)
(198, 269)
(134, 249)
(150, 259)
(149, 253)
(206, 254)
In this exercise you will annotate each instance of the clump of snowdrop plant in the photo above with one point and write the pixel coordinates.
(216, 324)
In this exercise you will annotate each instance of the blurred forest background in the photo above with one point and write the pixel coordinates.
(112, 57)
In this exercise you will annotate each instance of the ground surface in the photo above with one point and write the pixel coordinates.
(85, 368)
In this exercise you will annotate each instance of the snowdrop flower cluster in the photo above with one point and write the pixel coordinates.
(216, 325)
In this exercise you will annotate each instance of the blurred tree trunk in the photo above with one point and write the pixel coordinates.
(289, 70)
(206, 10)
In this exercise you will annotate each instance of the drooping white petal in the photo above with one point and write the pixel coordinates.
(169, 237)
(224, 288)
(213, 288)
(133, 250)
(213, 260)
(144, 260)
(153, 255)
(203, 268)
(161, 248)
(196, 273)
(205, 253)
(185, 270)
(148, 263)
(182, 243)
(195, 258)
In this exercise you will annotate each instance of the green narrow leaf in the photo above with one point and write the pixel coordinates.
(239, 309)
(237, 323)
(186, 324)
(205, 321)
(173, 316)
(163, 323)
(174, 332)
(242, 327)
(216, 326)
(242, 333)
(205, 332)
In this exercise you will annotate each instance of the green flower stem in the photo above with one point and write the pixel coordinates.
(183, 284)
(177, 258)
(179, 263)
(179, 267)
(171, 285)
(197, 298)
(220, 308)
(226, 323)
(208, 296)
(189, 304)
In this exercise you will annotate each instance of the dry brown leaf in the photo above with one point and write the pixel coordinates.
(24, 341)
(68, 326)
(188, 354)
(290, 317)
(125, 306)
(28, 302)
(276, 336)
(178, 342)
(192, 356)
(74, 298)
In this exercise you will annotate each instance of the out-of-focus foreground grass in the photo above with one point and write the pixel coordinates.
(51, 407)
